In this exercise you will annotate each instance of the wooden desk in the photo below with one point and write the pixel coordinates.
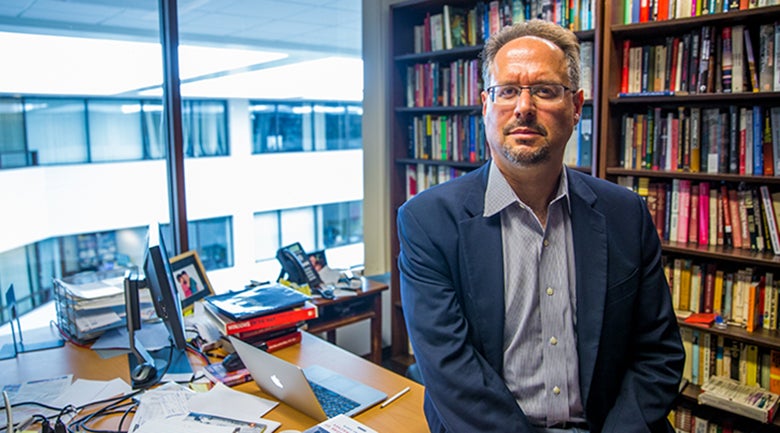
(403, 415)
(346, 310)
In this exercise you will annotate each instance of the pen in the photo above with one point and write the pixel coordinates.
(395, 397)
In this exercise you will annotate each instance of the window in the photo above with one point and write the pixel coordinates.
(281, 127)
(317, 227)
(57, 130)
(342, 224)
(204, 128)
(114, 130)
(13, 152)
(211, 238)
(93, 138)
(278, 127)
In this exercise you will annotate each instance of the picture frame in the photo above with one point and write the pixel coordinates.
(190, 278)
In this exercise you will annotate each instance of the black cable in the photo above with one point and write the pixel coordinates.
(115, 402)
(124, 416)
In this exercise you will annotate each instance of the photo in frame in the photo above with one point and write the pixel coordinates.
(190, 278)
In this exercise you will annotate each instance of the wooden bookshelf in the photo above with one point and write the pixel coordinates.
(612, 164)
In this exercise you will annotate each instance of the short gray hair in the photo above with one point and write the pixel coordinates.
(565, 40)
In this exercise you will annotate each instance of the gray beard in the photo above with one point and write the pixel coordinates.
(524, 159)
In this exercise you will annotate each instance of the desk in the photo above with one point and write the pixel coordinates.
(345, 310)
(403, 415)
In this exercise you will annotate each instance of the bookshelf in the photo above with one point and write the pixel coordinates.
(665, 155)
(413, 107)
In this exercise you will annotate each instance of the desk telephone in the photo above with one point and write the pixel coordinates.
(295, 263)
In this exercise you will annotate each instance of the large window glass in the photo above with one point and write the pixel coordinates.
(57, 130)
(114, 130)
(204, 125)
(13, 152)
(311, 126)
(83, 142)
(316, 227)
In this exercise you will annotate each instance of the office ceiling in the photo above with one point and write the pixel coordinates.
(324, 26)
(311, 35)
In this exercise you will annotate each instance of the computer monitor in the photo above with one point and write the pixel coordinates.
(165, 297)
(148, 368)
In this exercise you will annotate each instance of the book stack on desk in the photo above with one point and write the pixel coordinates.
(269, 316)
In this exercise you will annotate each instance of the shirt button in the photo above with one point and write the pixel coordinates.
(546, 243)
(556, 390)
(550, 291)
(553, 341)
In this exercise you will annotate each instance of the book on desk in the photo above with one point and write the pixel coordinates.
(268, 317)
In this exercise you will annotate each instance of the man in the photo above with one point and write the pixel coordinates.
(534, 295)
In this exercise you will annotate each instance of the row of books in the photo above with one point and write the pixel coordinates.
(459, 137)
(735, 140)
(639, 11)
(730, 59)
(745, 297)
(452, 84)
(711, 214)
(708, 355)
(420, 177)
(685, 420)
(457, 26)
(459, 83)
(268, 316)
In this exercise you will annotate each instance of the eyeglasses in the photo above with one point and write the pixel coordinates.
(508, 94)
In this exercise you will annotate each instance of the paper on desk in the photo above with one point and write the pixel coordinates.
(167, 401)
(42, 390)
(84, 391)
(173, 401)
(196, 423)
(226, 402)
(177, 425)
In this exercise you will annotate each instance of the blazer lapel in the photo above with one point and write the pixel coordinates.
(482, 273)
(590, 252)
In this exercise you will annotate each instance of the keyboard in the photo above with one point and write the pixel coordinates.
(332, 403)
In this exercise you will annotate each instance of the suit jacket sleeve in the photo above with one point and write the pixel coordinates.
(463, 391)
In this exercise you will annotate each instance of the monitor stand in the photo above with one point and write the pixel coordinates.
(178, 370)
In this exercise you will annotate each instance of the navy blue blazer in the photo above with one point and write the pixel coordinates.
(630, 352)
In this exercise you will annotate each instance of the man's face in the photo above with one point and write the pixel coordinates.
(531, 131)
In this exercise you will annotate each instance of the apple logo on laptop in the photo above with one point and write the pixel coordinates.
(276, 381)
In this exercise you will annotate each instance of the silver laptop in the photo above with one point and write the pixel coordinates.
(315, 390)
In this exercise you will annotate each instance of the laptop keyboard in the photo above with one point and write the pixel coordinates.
(332, 403)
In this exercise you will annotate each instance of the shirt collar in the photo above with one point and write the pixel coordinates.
(499, 195)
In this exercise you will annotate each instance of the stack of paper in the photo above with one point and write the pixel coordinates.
(88, 305)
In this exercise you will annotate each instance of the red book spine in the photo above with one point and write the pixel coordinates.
(704, 213)
(624, 69)
(709, 289)
(284, 317)
(282, 342)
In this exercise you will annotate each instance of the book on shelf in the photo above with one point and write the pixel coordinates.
(766, 62)
(228, 326)
(732, 396)
(752, 69)
(256, 301)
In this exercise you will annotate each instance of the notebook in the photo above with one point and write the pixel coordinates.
(315, 390)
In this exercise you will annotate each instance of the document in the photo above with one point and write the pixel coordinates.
(173, 408)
